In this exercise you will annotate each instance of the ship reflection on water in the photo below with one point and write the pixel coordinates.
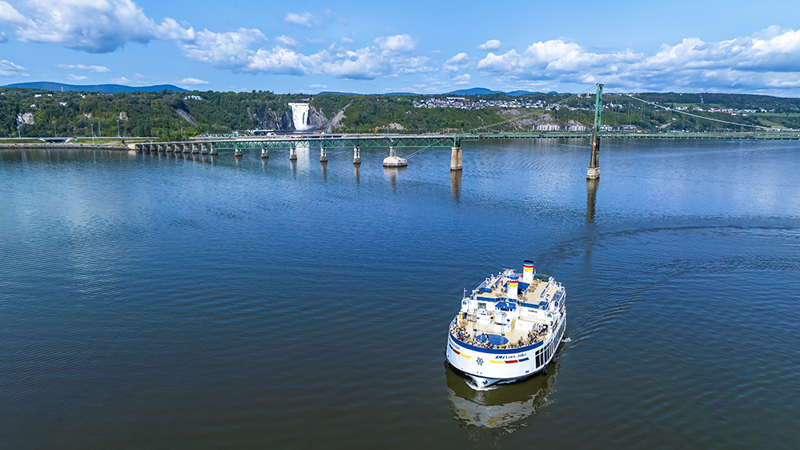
(502, 408)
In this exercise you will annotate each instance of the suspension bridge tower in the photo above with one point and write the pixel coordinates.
(594, 165)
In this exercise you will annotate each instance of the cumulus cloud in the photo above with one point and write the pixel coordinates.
(386, 58)
(3, 37)
(286, 40)
(95, 26)
(462, 79)
(767, 60)
(77, 77)
(346, 40)
(492, 44)
(192, 81)
(95, 69)
(8, 68)
(226, 50)
(456, 62)
(399, 43)
(303, 19)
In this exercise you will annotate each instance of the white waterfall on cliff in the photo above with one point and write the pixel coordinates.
(300, 116)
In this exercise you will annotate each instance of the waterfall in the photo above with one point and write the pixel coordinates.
(300, 116)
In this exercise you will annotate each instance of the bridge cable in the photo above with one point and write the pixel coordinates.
(688, 113)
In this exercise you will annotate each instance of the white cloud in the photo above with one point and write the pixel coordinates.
(95, 26)
(77, 77)
(8, 68)
(303, 19)
(456, 62)
(399, 43)
(95, 69)
(315, 41)
(286, 40)
(768, 60)
(492, 44)
(234, 51)
(137, 79)
(318, 86)
(226, 50)
(192, 81)
(462, 79)
(346, 40)
(3, 37)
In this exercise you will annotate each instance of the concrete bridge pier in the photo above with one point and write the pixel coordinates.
(203, 148)
(393, 160)
(195, 150)
(237, 152)
(356, 156)
(455, 159)
(323, 155)
(264, 153)
(292, 154)
(211, 149)
(186, 148)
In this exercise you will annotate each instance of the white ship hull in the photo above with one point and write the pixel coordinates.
(489, 366)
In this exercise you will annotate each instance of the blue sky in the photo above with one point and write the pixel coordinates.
(427, 47)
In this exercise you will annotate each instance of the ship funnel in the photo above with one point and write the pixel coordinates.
(527, 272)
(511, 287)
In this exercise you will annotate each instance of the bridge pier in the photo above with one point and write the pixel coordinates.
(455, 159)
(393, 160)
(292, 153)
(323, 155)
(211, 149)
(187, 148)
(356, 156)
(264, 153)
(593, 172)
(237, 152)
(195, 150)
(203, 148)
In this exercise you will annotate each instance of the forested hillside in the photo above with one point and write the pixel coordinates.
(168, 115)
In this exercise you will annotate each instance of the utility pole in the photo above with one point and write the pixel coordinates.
(594, 165)
(117, 127)
(92, 134)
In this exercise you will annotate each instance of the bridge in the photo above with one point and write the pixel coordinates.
(421, 142)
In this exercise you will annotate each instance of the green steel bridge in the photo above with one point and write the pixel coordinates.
(335, 141)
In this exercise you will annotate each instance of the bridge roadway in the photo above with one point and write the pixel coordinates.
(455, 140)
(333, 141)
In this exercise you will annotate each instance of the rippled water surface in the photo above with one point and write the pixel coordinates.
(155, 301)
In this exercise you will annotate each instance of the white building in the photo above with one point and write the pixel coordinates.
(548, 127)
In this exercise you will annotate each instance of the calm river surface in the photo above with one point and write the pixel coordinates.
(152, 301)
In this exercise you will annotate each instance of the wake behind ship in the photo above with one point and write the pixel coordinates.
(508, 329)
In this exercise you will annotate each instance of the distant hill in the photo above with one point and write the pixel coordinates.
(107, 88)
(518, 93)
(473, 91)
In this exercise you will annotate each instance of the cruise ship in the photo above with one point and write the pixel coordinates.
(509, 327)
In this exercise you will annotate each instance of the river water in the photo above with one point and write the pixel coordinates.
(152, 301)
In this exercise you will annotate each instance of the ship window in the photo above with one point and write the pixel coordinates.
(481, 305)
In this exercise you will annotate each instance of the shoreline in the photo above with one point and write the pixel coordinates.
(5, 147)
